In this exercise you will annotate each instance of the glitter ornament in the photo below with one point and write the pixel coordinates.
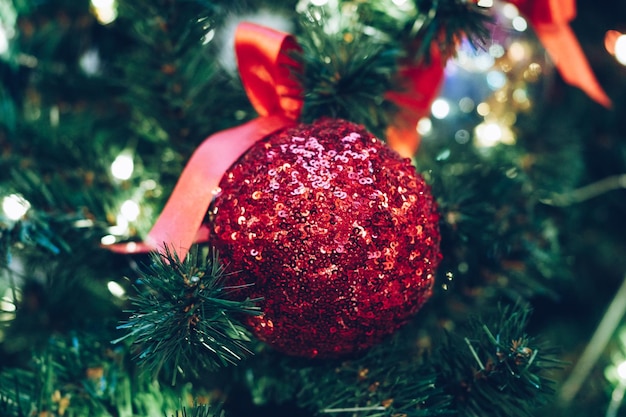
(338, 235)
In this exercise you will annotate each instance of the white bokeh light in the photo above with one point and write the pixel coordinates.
(440, 108)
(130, 210)
(620, 49)
(123, 166)
(15, 206)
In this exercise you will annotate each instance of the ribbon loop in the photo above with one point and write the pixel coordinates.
(550, 19)
(265, 67)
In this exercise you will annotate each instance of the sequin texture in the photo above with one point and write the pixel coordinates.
(338, 234)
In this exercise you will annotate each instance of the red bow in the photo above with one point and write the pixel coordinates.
(264, 66)
(264, 61)
(550, 19)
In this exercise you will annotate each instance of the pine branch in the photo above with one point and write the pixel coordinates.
(347, 71)
(184, 318)
(391, 379)
(499, 370)
(202, 411)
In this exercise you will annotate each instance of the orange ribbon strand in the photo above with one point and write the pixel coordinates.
(550, 19)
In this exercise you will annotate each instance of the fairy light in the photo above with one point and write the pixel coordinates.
(621, 370)
(123, 166)
(108, 240)
(620, 49)
(485, 3)
(7, 303)
(15, 206)
(510, 11)
(424, 126)
(488, 134)
(483, 109)
(130, 210)
(105, 10)
(519, 24)
(116, 289)
(440, 108)
(4, 40)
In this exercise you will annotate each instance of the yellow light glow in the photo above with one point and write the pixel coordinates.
(15, 206)
(123, 166)
(488, 134)
(485, 3)
(424, 126)
(130, 210)
(517, 51)
(116, 289)
(440, 108)
(483, 109)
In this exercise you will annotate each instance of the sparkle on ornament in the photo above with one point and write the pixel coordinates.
(485, 3)
(15, 206)
(440, 108)
(123, 166)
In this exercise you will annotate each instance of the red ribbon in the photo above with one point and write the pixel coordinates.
(421, 84)
(550, 19)
(265, 68)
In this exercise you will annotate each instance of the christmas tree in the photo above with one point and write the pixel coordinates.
(384, 208)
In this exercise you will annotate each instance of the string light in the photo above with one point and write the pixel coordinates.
(15, 206)
(130, 210)
(519, 24)
(116, 289)
(123, 166)
(440, 108)
(105, 10)
(4, 40)
(615, 44)
(424, 126)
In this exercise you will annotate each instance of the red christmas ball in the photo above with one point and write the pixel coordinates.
(338, 235)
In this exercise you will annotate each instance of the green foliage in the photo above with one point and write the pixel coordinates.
(497, 361)
(185, 318)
